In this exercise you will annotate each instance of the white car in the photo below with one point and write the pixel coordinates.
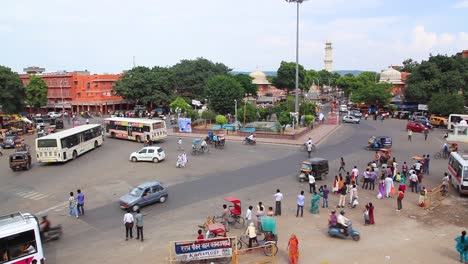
(343, 108)
(351, 119)
(154, 154)
(54, 114)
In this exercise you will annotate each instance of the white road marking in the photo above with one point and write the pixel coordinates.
(28, 194)
(58, 207)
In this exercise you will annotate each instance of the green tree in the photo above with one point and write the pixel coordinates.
(36, 92)
(12, 92)
(286, 76)
(409, 65)
(192, 76)
(221, 120)
(439, 74)
(145, 85)
(368, 77)
(349, 83)
(180, 103)
(222, 90)
(328, 78)
(192, 114)
(284, 118)
(375, 93)
(265, 113)
(308, 119)
(307, 108)
(310, 78)
(246, 82)
(208, 115)
(251, 113)
(446, 104)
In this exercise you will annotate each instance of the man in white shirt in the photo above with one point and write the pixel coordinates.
(342, 222)
(248, 215)
(413, 178)
(128, 222)
(300, 204)
(417, 167)
(355, 171)
(278, 198)
(311, 183)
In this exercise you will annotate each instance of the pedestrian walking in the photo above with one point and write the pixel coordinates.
(367, 177)
(179, 144)
(311, 183)
(293, 249)
(225, 217)
(462, 247)
(260, 215)
(325, 193)
(335, 185)
(139, 225)
(87, 121)
(401, 195)
(309, 149)
(371, 214)
(388, 183)
(426, 164)
(353, 195)
(426, 132)
(300, 204)
(72, 209)
(128, 223)
(413, 179)
(80, 198)
(248, 215)
(278, 198)
(342, 165)
(314, 203)
(342, 191)
(410, 134)
(251, 232)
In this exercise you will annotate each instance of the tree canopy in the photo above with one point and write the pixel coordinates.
(180, 103)
(36, 92)
(12, 92)
(373, 93)
(246, 82)
(222, 90)
(144, 85)
(446, 104)
(191, 76)
(286, 76)
(440, 74)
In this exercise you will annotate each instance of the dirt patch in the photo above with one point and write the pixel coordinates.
(452, 210)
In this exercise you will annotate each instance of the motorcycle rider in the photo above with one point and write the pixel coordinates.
(251, 138)
(44, 224)
(342, 222)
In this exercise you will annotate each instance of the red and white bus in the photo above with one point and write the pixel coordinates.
(458, 168)
(20, 239)
(136, 128)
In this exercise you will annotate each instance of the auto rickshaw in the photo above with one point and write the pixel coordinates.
(316, 166)
(20, 160)
(58, 124)
(378, 142)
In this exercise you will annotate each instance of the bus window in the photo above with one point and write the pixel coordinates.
(146, 129)
(18, 245)
(158, 125)
(47, 143)
(465, 173)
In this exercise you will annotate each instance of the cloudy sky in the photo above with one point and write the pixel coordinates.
(104, 35)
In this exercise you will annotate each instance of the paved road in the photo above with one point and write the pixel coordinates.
(106, 173)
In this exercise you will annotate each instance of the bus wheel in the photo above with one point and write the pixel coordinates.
(138, 139)
(74, 154)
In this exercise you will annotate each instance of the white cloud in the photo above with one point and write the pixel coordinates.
(461, 4)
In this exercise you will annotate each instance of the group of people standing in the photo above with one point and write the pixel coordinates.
(76, 205)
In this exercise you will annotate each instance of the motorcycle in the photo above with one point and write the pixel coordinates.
(335, 231)
(173, 121)
(246, 141)
(53, 233)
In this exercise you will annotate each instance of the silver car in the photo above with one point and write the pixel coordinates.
(351, 119)
(144, 194)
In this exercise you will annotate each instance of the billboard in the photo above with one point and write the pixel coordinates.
(203, 249)
(185, 125)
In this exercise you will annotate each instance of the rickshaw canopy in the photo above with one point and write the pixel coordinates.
(196, 141)
(232, 199)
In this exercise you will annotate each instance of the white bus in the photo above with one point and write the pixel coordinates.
(20, 239)
(137, 129)
(68, 144)
(458, 168)
(454, 119)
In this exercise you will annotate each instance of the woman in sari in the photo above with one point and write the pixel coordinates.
(293, 249)
(314, 203)
(371, 214)
(381, 187)
(462, 247)
(422, 197)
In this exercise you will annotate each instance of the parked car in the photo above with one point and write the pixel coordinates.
(39, 122)
(356, 113)
(54, 114)
(9, 142)
(343, 108)
(143, 195)
(438, 121)
(351, 119)
(154, 154)
(416, 126)
(404, 114)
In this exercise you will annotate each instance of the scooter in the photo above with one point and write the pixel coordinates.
(334, 231)
(249, 142)
(53, 233)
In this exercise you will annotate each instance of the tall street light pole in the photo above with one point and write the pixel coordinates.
(296, 99)
(235, 111)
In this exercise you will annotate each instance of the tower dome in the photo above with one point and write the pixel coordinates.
(391, 75)
(259, 77)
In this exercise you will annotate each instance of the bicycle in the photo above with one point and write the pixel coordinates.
(441, 155)
(270, 248)
(303, 147)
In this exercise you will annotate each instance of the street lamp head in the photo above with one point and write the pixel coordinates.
(295, 1)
